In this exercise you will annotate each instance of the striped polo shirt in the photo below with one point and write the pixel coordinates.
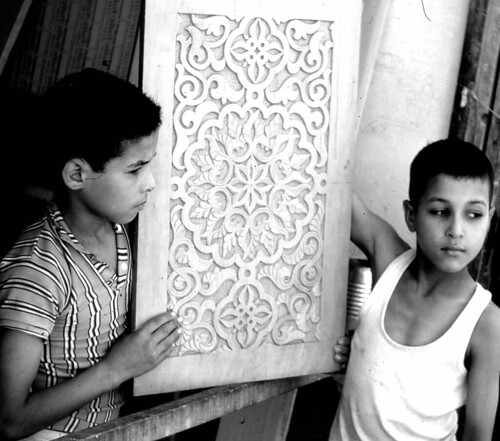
(51, 287)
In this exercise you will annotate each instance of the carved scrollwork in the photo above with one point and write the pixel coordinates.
(249, 168)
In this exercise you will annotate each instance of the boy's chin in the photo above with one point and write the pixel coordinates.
(448, 264)
(451, 266)
(124, 220)
(130, 220)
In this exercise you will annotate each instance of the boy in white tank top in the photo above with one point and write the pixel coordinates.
(428, 339)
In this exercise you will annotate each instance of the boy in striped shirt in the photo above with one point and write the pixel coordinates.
(65, 284)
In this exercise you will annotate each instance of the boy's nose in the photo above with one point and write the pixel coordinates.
(455, 228)
(150, 182)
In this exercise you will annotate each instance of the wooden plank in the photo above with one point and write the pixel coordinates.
(11, 22)
(75, 46)
(481, 96)
(468, 66)
(171, 418)
(487, 271)
(95, 34)
(475, 118)
(266, 421)
(126, 38)
(134, 75)
(49, 54)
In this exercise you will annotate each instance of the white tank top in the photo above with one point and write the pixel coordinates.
(397, 392)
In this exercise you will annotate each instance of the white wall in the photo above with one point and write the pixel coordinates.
(409, 99)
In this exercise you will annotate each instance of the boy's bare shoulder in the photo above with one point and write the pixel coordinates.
(487, 332)
(491, 318)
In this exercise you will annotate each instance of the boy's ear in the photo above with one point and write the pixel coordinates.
(492, 212)
(74, 173)
(409, 215)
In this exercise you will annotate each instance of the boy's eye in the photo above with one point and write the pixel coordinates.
(135, 171)
(439, 212)
(474, 214)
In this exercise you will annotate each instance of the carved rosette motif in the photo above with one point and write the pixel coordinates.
(249, 173)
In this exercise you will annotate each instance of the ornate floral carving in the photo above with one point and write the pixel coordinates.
(251, 119)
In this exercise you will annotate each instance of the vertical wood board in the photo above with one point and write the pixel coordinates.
(482, 97)
(60, 37)
(246, 236)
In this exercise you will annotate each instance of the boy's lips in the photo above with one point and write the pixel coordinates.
(453, 249)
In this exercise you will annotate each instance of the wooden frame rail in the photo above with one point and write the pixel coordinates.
(173, 417)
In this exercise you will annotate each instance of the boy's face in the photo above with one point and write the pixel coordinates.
(451, 221)
(121, 190)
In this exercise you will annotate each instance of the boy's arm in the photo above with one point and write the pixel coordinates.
(375, 237)
(483, 377)
(23, 412)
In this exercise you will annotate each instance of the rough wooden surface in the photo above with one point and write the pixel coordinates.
(482, 94)
(174, 417)
(59, 37)
(468, 67)
(476, 116)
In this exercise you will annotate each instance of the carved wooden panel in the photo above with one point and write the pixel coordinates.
(246, 238)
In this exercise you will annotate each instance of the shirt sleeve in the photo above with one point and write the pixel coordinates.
(32, 292)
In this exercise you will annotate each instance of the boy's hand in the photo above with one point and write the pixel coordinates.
(141, 351)
(342, 350)
(24, 411)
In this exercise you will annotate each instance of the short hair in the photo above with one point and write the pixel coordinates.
(92, 115)
(451, 157)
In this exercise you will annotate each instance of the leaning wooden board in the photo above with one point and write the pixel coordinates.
(246, 237)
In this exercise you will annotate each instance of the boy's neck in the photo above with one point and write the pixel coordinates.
(84, 225)
(94, 233)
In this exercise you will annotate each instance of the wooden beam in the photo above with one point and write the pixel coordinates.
(468, 67)
(174, 417)
(481, 96)
(476, 113)
(475, 117)
(12, 19)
